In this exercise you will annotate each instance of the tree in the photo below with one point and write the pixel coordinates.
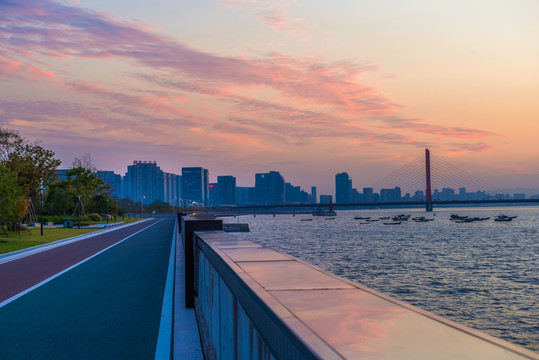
(10, 197)
(32, 164)
(10, 142)
(159, 206)
(60, 199)
(62, 195)
(86, 162)
(85, 183)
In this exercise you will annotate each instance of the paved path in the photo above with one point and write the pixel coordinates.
(108, 307)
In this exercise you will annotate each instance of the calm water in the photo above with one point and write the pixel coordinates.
(482, 274)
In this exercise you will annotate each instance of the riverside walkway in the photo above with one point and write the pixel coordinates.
(100, 297)
(108, 295)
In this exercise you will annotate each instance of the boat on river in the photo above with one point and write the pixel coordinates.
(393, 223)
(400, 217)
(423, 220)
(502, 217)
(328, 212)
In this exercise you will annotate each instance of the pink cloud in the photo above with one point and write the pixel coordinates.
(41, 26)
(313, 99)
(158, 105)
(14, 68)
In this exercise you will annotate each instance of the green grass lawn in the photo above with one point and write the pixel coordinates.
(14, 242)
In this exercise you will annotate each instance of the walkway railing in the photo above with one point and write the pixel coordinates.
(254, 302)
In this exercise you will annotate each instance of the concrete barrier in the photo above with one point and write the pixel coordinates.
(256, 303)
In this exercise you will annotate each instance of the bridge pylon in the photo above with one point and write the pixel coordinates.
(428, 189)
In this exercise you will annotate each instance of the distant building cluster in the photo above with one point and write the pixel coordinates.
(146, 183)
(345, 193)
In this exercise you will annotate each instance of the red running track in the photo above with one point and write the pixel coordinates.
(21, 274)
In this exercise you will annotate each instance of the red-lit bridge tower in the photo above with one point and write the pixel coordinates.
(428, 188)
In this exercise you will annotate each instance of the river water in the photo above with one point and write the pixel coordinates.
(482, 274)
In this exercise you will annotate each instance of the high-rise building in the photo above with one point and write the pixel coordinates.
(173, 188)
(294, 194)
(390, 195)
(245, 195)
(195, 186)
(144, 181)
(227, 190)
(343, 188)
(213, 191)
(269, 188)
(368, 195)
(312, 196)
(114, 181)
(206, 186)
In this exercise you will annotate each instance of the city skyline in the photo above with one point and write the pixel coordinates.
(145, 181)
(246, 86)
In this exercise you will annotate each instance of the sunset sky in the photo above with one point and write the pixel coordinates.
(307, 88)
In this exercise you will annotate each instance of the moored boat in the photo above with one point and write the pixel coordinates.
(328, 212)
(502, 217)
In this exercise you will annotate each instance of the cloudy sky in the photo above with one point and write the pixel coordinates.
(308, 88)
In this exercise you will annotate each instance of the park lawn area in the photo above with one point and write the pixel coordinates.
(14, 242)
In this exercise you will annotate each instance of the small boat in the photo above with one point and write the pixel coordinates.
(457, 217)
(362, 217)
(502, 217)
(392, 223)
(306, 219)
(372, 220)
(328, 212)
(400, 217)
(423, 220)
(330, 218)
(418, 218)
(384, 218)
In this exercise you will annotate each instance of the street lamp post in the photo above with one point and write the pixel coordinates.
(142, 206)
(107, 211)
(41, 189)
(79, 205)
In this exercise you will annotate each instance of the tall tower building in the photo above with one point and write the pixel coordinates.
(173, 188)
(226, 186)
(269, 188)
(206, 187)
(144, 181)
(313, 198)
(195, 190)
(343, 188)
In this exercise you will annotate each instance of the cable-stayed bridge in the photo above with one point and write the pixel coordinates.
(431, 179)
(428, 180)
